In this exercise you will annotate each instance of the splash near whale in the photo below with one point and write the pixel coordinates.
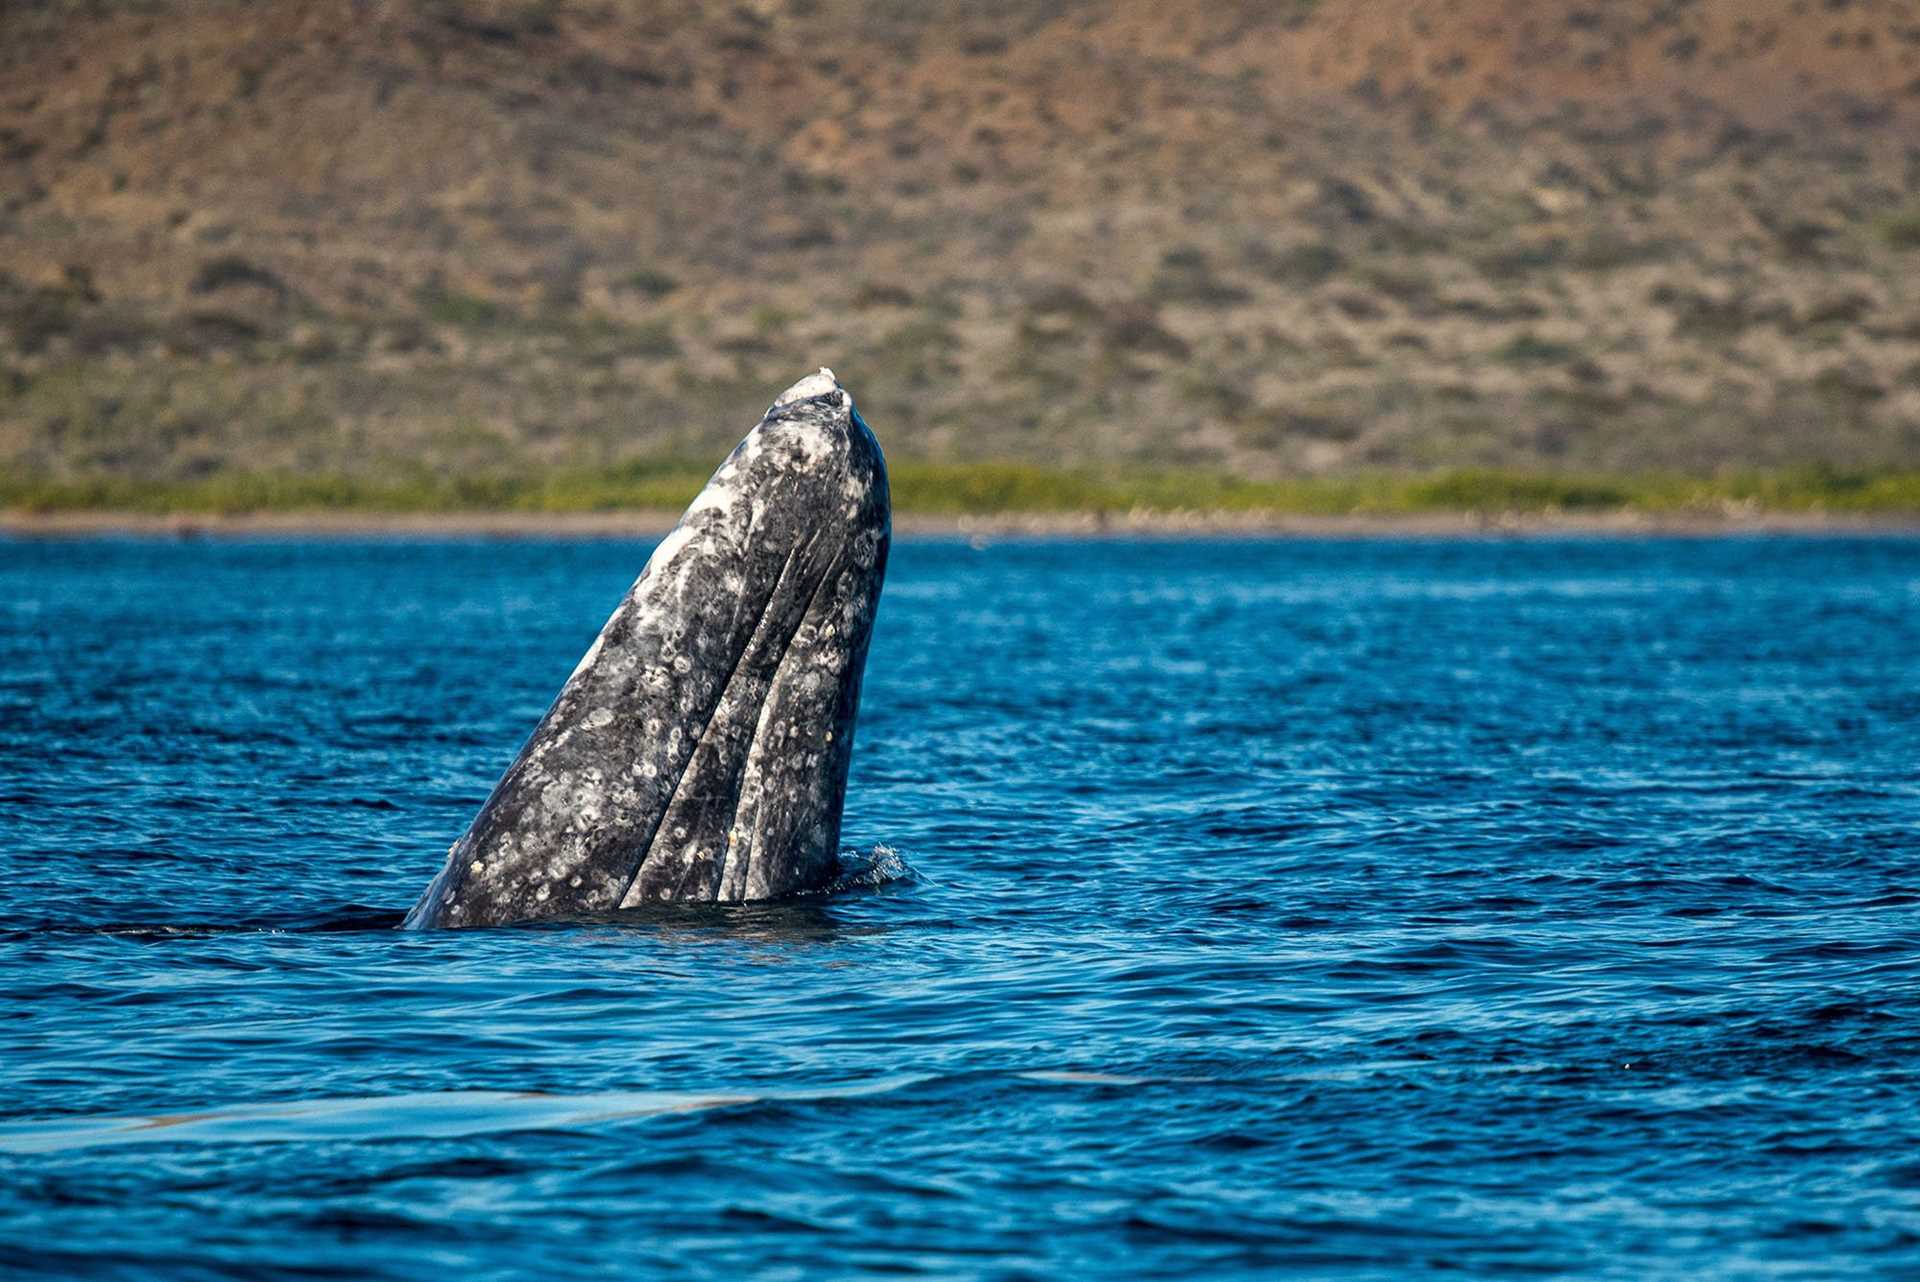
(699, 751)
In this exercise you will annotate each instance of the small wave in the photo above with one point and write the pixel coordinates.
(419, 1115)
(1073, 1077)
(453, 1114)
(345, 918)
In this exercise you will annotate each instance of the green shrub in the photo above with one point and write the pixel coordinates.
(1529, 349)
(1901, 230)
(1309, 264)
(463, 311)
(230, 270)
(1187, 276)
(654, 284)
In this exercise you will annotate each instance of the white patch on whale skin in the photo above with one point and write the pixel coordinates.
(670, 546)
(804, 443)
(593, 652)
(812, 385)
(718, 495)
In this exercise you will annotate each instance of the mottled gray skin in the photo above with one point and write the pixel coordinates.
(699, 752)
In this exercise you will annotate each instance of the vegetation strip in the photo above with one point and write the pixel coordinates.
(990, 489)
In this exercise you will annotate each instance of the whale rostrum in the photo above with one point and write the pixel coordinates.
(699, 751)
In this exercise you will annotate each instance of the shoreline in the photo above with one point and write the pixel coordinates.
(652, 523)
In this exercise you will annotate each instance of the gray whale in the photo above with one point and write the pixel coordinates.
(699, 751)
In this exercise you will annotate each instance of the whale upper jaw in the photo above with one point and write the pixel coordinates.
(699, 751)
(820, 384)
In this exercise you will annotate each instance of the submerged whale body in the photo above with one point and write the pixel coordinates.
(699, 752)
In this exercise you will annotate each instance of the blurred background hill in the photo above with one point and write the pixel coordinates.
(486, 239)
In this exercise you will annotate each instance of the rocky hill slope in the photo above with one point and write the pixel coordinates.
(479, 236)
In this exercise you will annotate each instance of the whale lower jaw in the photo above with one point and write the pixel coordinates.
(699, 752)
(753, 816)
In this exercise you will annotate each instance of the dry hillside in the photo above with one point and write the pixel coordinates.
(1295, 237)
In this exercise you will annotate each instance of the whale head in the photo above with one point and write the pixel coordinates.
(699, 752)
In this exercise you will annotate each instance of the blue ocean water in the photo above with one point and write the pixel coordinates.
(1366, 909)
